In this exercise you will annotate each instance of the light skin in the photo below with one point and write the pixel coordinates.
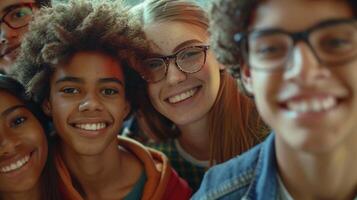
(22, 144)
(315, 149)
(87, 104)
(191, 114)
(10, 39)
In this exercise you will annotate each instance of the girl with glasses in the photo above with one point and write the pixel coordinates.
(190, 103)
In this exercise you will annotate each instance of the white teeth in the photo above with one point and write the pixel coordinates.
(312, 105)
(183, 96)
(16, 165)
(91, 127)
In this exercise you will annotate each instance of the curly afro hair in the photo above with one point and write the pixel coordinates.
(58, 32)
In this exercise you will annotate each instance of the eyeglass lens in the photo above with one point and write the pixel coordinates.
(18, 17)
(333, 44)
(188, 60)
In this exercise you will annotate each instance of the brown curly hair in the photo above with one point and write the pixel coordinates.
(57, 33)
(228, 17)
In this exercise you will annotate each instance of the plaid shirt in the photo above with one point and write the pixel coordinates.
(192, 173)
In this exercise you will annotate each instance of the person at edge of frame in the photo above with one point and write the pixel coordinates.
(15, 17)
(302, 74)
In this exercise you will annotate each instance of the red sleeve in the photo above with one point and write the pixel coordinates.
(177, 188)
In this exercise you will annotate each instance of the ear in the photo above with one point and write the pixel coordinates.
(246, 79)
(46, 108)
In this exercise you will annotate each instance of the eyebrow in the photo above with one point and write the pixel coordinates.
(69, 79)
(178, 47)
(12, 109)
(111, 80)
(13, 6)
(79, 80)
(186, 43)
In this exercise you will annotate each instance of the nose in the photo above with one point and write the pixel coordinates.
(91, 102)
(7, 33)
(304, 66)
(174, 74)
(8, 143)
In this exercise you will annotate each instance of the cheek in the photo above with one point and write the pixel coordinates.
(153, 91)
(21, 32)
(265, 90)
(120, 108)
(61, 110)
(39, 139)
(211, 75)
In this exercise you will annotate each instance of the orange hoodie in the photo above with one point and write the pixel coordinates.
(162, 183)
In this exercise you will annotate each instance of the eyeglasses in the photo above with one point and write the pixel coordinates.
(189, 60)
(333, 42)
(18, 15)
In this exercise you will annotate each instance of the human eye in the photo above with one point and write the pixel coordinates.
(269, 51)
(20, 13)
(269, 46)
(109, 91)
(154, 64)
(17, 121)
(190, 53)
(339, 38)
(70, 90)
(336, 44)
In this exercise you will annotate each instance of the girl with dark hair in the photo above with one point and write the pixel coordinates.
(24, 171)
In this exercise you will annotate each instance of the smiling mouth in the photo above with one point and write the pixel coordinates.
(91, 126)
(15, 165)
(312, 105)
(183, 96)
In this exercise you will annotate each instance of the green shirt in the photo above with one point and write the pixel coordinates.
(186, 169)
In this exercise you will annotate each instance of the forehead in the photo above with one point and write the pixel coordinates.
(296, 15)
(8, 100)
(6, 3)
(90, 66)
(165, 36)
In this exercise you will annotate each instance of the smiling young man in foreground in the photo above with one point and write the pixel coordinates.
(302, 74)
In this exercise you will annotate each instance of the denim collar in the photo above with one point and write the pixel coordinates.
(265, 183)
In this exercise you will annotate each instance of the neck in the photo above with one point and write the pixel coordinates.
(101, 176)
(31, 194)
(194, 139)
(327, 175)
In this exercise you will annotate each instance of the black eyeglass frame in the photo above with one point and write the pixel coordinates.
(167, 59)
(30, 5)
(242, 39)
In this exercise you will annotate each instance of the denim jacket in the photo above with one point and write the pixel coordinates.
(250, 176)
